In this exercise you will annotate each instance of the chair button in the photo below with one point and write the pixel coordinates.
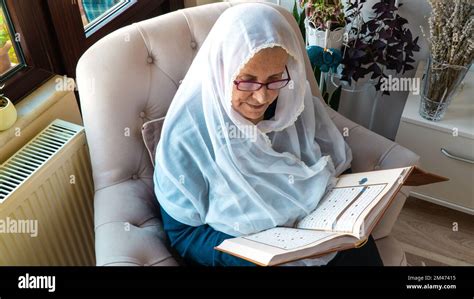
(193, 44)
(134, 177)
(142, 114)
(149, 59)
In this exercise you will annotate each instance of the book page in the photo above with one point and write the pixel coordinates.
(390, 177)
(329, 208)
(275, 245)
(340, 206)
(349, 189)
(349, 217)
(288, 238)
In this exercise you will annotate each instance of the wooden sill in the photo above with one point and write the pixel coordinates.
(36, 111)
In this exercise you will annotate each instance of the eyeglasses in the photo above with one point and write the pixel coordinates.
(254, 86)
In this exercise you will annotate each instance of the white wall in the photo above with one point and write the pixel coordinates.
(189, 3)
(288, 4)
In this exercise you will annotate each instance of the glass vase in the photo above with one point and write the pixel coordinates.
(440, 85)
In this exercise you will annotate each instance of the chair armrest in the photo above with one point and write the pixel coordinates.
(128, 230)
(371, 151)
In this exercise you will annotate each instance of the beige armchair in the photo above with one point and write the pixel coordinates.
(130, 77)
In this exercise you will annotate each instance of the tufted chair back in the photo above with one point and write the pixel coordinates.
(125, 79)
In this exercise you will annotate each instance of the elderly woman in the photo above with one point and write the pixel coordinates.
(245, 146)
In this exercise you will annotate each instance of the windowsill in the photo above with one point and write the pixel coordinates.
(35, 112)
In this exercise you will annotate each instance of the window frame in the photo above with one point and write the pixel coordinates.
(52, 37)
(98, 23)
(41, 63)
(71, 36)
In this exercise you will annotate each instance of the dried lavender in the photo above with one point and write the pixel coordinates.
(451, 45)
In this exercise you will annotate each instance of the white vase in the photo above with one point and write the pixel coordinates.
(358, 100)
(8, 114)
(317, 37)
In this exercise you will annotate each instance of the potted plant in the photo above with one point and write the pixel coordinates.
(8, 114)
(376, 45)
(373, 46)
(451, 44)
(324, 22)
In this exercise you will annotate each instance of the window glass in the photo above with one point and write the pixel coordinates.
(96, 13)
(10, 51)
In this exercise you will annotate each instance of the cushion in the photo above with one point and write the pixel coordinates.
(151, 133)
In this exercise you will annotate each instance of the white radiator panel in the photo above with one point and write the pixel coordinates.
(48, 183)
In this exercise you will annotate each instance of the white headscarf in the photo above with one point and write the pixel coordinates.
(250, 180)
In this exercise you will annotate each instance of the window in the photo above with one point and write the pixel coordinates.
(96, 13)
(81, 23)
(49, 36)
(33, 45)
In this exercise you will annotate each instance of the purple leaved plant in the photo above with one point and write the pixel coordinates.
(382, 43)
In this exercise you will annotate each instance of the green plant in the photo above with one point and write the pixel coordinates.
(331, 99)
(299, 17)
(3, 99)
(320, 12)
(379, 44)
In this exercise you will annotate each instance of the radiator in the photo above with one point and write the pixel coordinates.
(46, 201)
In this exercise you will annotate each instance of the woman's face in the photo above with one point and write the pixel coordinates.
(266, 66)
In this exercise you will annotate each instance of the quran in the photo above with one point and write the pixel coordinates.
(343, 219)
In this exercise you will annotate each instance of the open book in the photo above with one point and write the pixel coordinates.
(344, 218)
